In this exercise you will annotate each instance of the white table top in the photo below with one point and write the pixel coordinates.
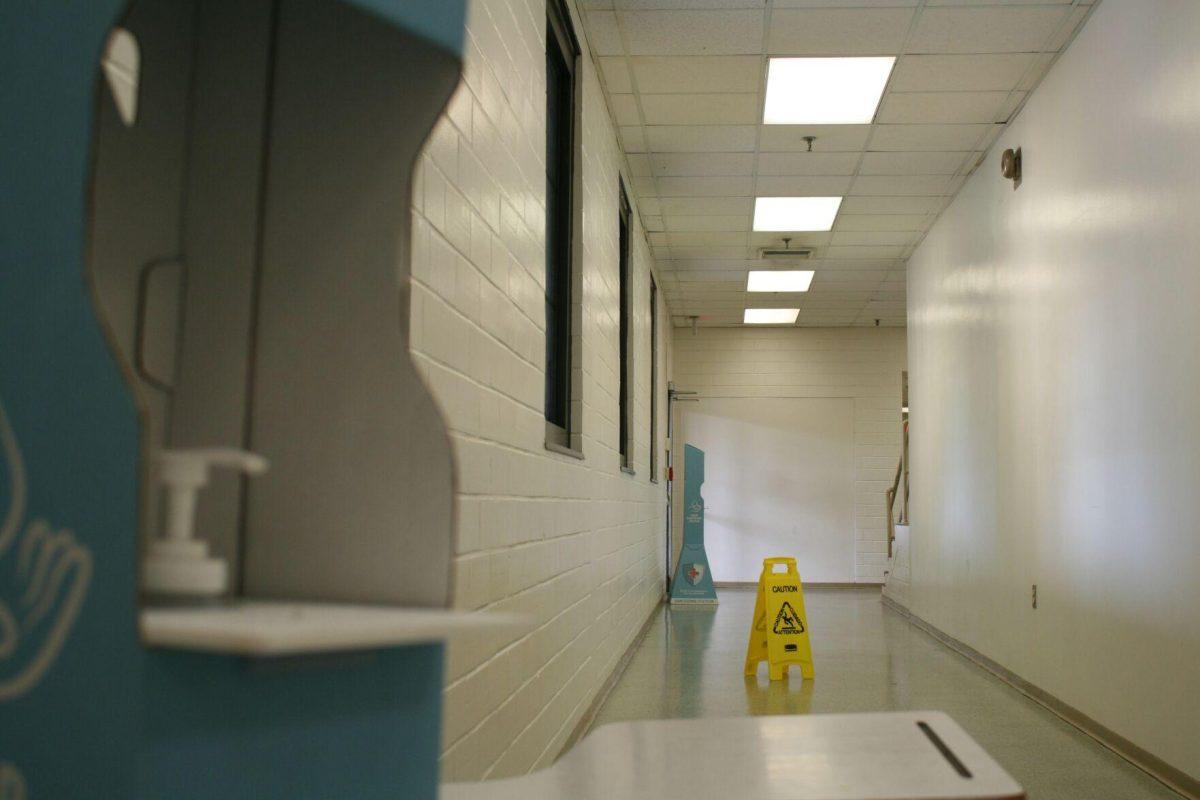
(882, 756)
(267, 628)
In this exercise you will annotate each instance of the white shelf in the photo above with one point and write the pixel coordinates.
(265, 628)
(881, 756)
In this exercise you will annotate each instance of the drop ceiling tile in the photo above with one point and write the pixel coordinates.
(706, 239)
(838, 31)
(697, 74)
(889, 205)
(997, 2)
(632, 140)
(927, 137)
(603, 36)
(643, 186)
(704, 186)
(700, 138)
(900, 185)
(912, 163)
(702, 164)
(650, 205)
(1035, 74)
(831, 293)
(990, 137)
(830, 138)
(1067, 30)
(985, 29)
(845, 280)
(687, 4)
(699, 33)
(739, 222)
(956, 182)
(960, 73)
(1010, 106)
(847, 3)
(898, 238)
(797, 239)
(701, 109)
(829, 266)
(624, 109)
(704, 144)
(819, 303)
(709, 251)
(807, 163)
(616, 74)
(939, 107)
(802, 185)
(816, 318)
(882, 222)
(705, 206)
(639, 164)
(705, 264)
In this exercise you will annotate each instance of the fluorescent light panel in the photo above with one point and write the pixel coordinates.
(795, 213)
(770, 316)
(797, 280)
(825, 91)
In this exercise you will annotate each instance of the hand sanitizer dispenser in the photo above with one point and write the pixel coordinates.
(178, 564)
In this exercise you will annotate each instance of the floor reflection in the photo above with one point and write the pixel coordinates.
(867, 658)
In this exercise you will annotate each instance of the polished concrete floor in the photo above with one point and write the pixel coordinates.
(868, 658)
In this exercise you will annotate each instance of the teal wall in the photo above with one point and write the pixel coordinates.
(85, 711)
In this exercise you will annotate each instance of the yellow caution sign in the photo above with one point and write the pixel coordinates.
(779, 632)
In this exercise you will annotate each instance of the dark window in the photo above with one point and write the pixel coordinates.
(625, 287)
(653, 381)
(561, 55)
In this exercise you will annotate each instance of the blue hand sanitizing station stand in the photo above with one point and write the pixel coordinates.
(693, 581)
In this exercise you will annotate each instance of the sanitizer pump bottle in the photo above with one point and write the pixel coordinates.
(177, 563)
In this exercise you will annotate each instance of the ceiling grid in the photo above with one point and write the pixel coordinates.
(686, 79)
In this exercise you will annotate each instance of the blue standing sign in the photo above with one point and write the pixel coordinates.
(693, 581)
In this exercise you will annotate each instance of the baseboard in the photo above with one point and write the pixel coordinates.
(807, 585)
(1173, 778)
(589, 716)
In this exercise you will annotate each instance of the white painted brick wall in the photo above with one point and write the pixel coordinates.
(575, 545)
(864, 364)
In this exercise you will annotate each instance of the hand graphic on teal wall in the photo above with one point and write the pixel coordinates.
(44, 577)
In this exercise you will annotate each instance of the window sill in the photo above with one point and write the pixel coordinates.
(628, 470)
(555, 447)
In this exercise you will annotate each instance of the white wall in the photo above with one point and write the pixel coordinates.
(576, 545)
(1055, 377)
(778, 481)
(861, 365)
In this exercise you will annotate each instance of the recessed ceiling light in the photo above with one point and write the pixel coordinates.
(779, 280)
(770, 316)
(825, 91)
(795, 213)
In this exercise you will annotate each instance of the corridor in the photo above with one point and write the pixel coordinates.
(389, 387)
(868, 658)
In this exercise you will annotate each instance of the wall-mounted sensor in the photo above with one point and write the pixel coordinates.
(177, 563)
(1010, 165)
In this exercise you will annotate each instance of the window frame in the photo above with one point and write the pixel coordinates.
(625, 326)
(562, 387)
(654, 461)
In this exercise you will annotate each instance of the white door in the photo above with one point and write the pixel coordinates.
(779, 481)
